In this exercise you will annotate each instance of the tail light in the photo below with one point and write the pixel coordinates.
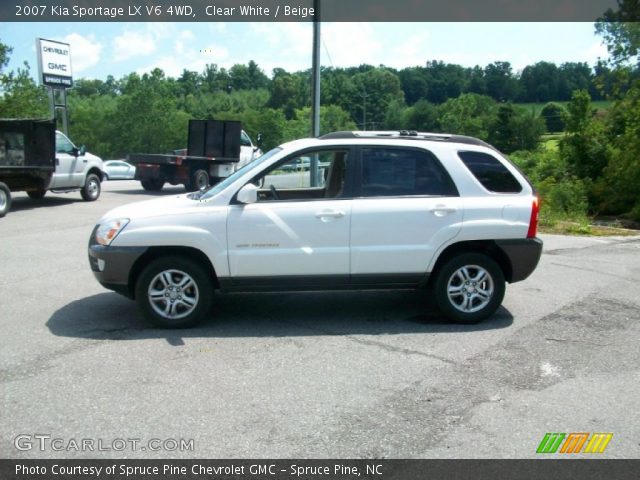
(533, 221)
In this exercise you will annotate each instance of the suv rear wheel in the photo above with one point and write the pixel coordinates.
(469, 287)
(174, 292)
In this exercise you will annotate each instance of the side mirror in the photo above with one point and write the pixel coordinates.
(248, 194)
(82, 150)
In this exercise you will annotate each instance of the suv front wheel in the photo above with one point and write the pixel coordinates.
(469, 288)
(174, 292)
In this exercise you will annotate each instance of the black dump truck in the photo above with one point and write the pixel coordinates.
(27, 157)
(212, 154)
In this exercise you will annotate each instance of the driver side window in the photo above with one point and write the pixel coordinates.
(310, 176)
(63, 144)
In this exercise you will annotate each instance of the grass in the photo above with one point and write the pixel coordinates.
(537, 107)
(550, 142)
(566, 227)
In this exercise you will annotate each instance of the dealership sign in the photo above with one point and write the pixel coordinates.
(54, 63)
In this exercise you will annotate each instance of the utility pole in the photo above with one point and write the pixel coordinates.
(315, 94)
(364, 96)
(315, 72)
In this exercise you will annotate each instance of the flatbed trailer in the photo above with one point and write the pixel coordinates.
(213, 152)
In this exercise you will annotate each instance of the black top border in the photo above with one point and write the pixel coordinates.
(304, 10)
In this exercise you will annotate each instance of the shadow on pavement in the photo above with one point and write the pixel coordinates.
(26, 203)
(110, 316)
(171, 190)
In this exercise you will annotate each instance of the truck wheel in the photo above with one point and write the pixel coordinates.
(152, 184)
(469, 288)
(174, 292)
(200, 180)
(5, 199)
(91, 190)
(36, 194)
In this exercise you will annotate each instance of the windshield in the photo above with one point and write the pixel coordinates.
(215, 189)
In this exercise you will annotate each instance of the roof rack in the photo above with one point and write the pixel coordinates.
(405, 135)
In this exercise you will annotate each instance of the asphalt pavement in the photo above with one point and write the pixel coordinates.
(308, 375)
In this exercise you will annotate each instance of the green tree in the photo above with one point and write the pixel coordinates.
(500, 81)
(585, 145)
(423, 116)
(5, 51)
(564, 197)
(332, 119)
(515, 129)
(617, 191)
(20, 97)
(289, 92)
(374, 91)
(620, 30)
(539, 82)
(469, 114)
(147, 119)
(553, 115)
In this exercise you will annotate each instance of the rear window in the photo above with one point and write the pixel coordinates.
(388, 172)
(490, 172)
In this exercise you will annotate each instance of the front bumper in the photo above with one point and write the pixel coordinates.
(523, 254)
(112, 265)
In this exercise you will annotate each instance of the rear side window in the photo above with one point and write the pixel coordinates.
(392, 172)
(490, 172)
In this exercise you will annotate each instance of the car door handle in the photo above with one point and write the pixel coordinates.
(442, 210)
(330, 214)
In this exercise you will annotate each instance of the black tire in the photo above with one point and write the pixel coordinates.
(469, 295)
(152, 184)
(166, 274)
(199, 180)
(91, 190)
(5, 199)
(106, 177)
(36, 194)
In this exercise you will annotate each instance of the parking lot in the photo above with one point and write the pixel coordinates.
(315, 375)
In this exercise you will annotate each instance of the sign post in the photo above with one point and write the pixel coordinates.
(54, 71)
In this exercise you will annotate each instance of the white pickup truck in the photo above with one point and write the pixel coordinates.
(76, 169)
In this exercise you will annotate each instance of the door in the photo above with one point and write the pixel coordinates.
(246, 150)
(67, 163)
(406, 207)
(297, 233)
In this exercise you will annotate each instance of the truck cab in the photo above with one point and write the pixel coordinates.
(248, 151)
(74, 167)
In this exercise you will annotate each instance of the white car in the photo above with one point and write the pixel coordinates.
(118, 170)
(396, 210)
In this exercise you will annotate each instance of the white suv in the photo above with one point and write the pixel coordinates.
(392, 210)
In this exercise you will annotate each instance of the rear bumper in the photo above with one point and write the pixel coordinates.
(523, 254)
(112, 266)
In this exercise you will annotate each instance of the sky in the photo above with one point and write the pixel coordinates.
(101, 49)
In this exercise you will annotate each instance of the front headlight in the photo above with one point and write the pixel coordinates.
(110, 230)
